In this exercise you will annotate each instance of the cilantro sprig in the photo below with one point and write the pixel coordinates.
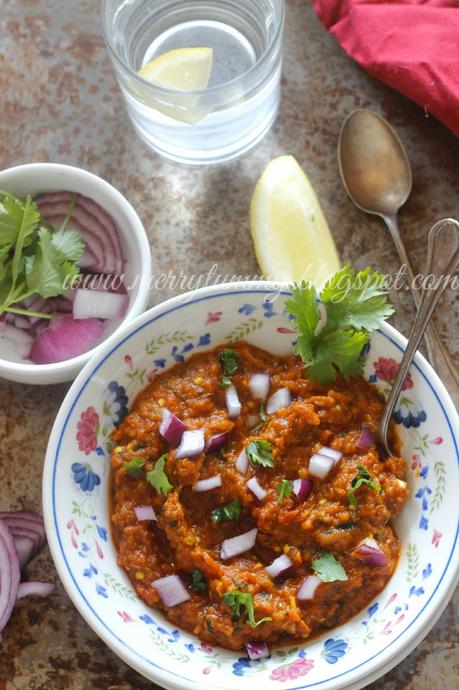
(284, 489)
(33, 258)
(362, 478)
(229, 362)
(134, 467)
(327, 568)
(198, 582)
(355, 304)
(240, 603)
(260, 453)
(232, 511)
(158, 478)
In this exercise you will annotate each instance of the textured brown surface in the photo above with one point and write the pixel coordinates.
(59, 102)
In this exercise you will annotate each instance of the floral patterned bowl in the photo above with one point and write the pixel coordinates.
(75, 485)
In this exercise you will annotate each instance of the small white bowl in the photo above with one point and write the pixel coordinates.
(34, 178)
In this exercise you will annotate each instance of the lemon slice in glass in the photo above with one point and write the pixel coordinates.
(291, 236)
(183, 69)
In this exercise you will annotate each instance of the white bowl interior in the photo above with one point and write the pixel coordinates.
(77, 515)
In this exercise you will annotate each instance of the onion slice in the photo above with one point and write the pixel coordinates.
(366, 439)
(237, 545)
(257, 650)
(171, 590)
(95, 304)
(64, 339)
(215, 442)
(242, 462)
(9, 574)
(191, 444)
(302, 488)
(37, 589)
(171, 428)
(280, 399)
(256, 488)
(144, 513)
(320, 465)
(369, 552)
(279, 566)
(308, 588)
(21, 340)
(233, 404)
(208, 484)
(259, 386)
(335, 455)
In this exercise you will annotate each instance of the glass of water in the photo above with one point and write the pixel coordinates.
(239, 106)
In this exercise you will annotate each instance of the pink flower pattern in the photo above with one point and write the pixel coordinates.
(436, 536)
(386, 369)
(298, 668)
(87, 429)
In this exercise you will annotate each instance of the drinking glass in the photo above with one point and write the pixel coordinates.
(239, 106)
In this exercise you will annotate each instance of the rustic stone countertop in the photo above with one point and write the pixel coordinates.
(59, 102)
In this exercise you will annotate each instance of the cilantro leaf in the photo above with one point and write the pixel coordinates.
(328, 569)
(50, 268)
(361, 479)
(231, 511)
(158, 478)
(263, 414)
(134, 467)
(229, 362)
(260, 453)
(240, 603)
(198, 582)
(303, 306)
(341, 349)
(284, 489)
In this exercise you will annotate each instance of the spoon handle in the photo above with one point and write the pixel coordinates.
(437, 353)
(442, 259)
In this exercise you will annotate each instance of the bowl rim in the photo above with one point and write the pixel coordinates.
(38, 373)
(368, 670)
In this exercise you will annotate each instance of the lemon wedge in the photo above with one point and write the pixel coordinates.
(183, 69)
(291, 237)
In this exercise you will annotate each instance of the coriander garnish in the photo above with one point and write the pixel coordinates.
(328, 569)
(198, 582)
(158, 478)
(134, 467)
(361, 479)
(284, 489)
(231, 511)
(229, 360)
(240, 602)
(260, 453)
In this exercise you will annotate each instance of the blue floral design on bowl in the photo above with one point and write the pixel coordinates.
(85, 477)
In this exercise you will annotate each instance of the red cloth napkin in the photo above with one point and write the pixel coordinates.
(411, 45)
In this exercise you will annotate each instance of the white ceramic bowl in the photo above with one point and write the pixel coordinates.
(45, 177)
(76, 505)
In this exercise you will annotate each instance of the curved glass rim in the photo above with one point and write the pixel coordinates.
(162, 90)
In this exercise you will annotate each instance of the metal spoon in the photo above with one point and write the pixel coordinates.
(442, 260)
(377, 176)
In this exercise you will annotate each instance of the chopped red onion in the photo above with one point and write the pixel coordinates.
(302, 488)
(207, 484)
(192, 444)
(369, 552)
(242, 462)
(257, 650)
(145, 513)
(171, 428)
(233, 404)
(366, 439)
(259, 386)
(94, 304)
(9, 574)
(335, 455)
(171, 590)
(320, 465)
(21, 340)
(37, 589)
(280, 399)
(279, 566)
(308, 588)
(237, 545)
(215, 442)
(256, 489)
(27, 526)
(65, 338)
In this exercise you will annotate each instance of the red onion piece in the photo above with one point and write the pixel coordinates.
(191, 444)
(25, 548)
(171, 590)
(94, 304)
(242, 462)
(208, 484)
(308, 588)
(257, 650)
(259, 386)
(366, 439)
(171, 428)
(369, 552)
(280, 399)
(279, 566)
(21, 340)
(302, 488)
(65, 338)
(335, 455)
(9, 574)
(144, 513)
(256, 489)
(237, 545)
(27, 526)
(37, 589)
(22, 322)
(217, 441)
(320, 465)
(233, 404)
